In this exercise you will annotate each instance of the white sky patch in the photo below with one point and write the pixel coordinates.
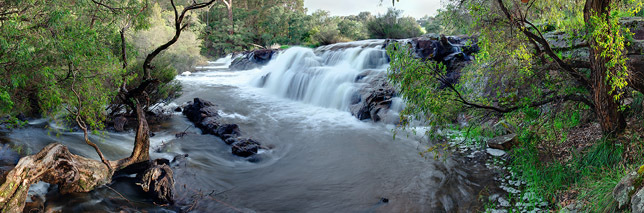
(414, 8)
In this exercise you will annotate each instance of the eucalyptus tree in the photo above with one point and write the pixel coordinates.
(527, 66)
(70, 58)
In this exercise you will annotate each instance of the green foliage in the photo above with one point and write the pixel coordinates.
(393, 25)
(418, 84)
(256, 24)
(184, 54)
(452, 19)
(163, 71)
(55, 60)
(611, 44)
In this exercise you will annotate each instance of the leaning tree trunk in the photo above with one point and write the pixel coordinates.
(54, 164)
(140, 152)
(610, 118)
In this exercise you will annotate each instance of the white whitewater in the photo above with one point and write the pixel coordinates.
(325, 76)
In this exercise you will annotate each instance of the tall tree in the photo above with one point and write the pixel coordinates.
(71, 60)
(529, 71)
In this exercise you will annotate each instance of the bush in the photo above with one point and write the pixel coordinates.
(392, 25)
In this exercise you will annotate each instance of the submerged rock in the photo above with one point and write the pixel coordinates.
(205, 116)
(245, 147)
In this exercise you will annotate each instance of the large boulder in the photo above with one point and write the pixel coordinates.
(629, 191)
(504, 142)
(245, 147)
(252, 59)
(374, 98)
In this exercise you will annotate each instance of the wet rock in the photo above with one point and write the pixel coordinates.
(504, 142)
(180, 134)
(230, 141)
(119, 123)
(179, 158)
(245, 147)
(252, 59)
(205, 116)
(178, 109)
(226, 131)
(199, 110)
(158, 181)
(374, 99)
(209, 125)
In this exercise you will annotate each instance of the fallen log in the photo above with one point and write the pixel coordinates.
(54, 164)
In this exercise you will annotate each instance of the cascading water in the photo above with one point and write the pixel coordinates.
(326, 76)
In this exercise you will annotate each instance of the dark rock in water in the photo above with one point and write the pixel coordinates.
(252, 59)
(158, 181)
(178, 109)
(209, 125)
(374, 99)
(180, 134)
(8, 157)
(179, 158)
(119, 123)
(245, 147)
(228, 130)
(204, 115)
(230, 140)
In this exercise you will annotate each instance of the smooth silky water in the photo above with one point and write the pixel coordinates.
(322, 158)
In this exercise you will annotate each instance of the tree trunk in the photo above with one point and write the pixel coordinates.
(610, 118)
(140, 152)
(229, 6)
(54, 164)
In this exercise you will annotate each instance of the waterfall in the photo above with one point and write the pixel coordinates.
(327, 76)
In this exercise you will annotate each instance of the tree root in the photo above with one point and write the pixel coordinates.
(54, 164)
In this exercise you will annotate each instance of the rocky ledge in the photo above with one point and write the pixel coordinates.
(252, 59)
(205, 116)
(375, 97)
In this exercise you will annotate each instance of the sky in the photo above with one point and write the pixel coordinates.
(414, 8)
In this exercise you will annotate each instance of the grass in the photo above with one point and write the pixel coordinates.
(593, 173)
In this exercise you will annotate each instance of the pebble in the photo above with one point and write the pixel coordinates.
(495, 152)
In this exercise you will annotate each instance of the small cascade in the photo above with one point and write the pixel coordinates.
(328, 76)
(219, 64)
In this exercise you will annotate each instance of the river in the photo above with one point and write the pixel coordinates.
(323, 159)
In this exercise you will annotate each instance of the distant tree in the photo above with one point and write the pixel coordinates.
(393, 25)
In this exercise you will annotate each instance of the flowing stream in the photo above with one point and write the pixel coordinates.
(323, 159)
